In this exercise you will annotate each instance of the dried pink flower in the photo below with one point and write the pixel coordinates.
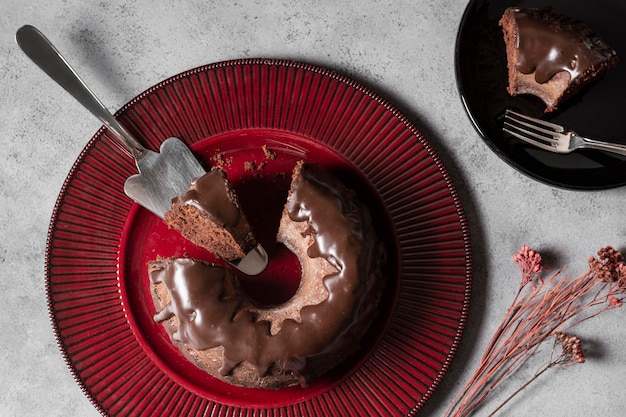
(529, 262)
(609, 266)
(549, 307)
(614, 301)
(572, 348)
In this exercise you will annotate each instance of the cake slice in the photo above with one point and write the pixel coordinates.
(552, 56)
(208, 214)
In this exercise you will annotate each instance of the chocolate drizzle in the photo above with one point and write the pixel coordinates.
(549, 43)
(211, 194)
(335, 229)
(209, 314)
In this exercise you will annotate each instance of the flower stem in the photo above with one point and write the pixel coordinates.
(520, 389)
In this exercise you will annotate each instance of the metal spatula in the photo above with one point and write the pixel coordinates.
(162, 175)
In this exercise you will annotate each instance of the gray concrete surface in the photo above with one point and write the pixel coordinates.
(402, 49)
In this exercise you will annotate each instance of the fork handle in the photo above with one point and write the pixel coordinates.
(38, 48)
(603, 146)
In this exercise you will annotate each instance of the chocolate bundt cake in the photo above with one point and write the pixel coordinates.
(223, 331)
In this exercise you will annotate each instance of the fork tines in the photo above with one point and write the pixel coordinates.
(535, 131)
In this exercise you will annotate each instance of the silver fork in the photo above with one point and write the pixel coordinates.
(552, 137)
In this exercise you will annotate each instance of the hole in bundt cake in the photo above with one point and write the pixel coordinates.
(278, 283)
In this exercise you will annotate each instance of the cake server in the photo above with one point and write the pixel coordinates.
(162, 175)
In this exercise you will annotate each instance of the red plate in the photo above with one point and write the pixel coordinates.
(99, 242)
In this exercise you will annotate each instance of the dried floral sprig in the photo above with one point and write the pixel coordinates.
(540, 310)
(571, 353)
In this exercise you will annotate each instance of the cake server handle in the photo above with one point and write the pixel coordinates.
(43, 53)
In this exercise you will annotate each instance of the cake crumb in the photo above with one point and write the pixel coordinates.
(218, 158)
(254, 166)
(269, 154)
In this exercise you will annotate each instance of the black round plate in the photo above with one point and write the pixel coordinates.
(599, 111)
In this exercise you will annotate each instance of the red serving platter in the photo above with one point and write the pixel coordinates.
(99, 242)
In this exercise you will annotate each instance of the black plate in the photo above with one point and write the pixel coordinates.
(599, 111)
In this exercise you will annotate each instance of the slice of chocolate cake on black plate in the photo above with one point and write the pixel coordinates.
(550, 55)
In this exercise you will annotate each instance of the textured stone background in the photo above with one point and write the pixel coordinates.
(404, 50)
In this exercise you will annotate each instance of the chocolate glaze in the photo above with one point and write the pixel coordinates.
(549, 43)
(208, 317)
(335, 228)
(210, 193)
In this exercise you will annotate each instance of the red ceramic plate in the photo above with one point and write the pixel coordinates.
(99, 242)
